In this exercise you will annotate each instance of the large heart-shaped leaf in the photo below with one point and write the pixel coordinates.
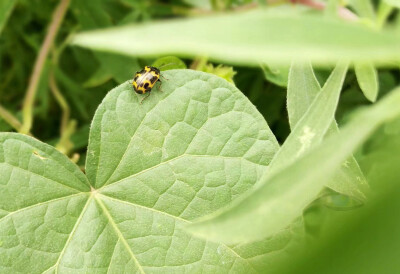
(151, 169)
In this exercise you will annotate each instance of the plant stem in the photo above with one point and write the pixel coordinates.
(27, 109)
(10, 119)
(61, 101)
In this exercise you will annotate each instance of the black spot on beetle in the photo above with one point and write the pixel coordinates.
(153, 80)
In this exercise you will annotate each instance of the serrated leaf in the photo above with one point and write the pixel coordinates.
(6, 7)
(271, 36)
(277, 201)
(367, 78)
(153, 168)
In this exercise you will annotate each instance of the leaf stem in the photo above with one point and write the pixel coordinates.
(61, 101)
(67, 126)
(27, 109)
(10, 118)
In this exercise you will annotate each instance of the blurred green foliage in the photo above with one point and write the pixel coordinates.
(83, 76)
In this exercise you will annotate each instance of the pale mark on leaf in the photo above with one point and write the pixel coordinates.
(38, 155)
(305, 139)
(346, 164)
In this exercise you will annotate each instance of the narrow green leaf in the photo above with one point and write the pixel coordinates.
(370, 227)
(266, 36)
(6, 7)
(313, 125)
(364, 8)
(302, 89)
(367, 78)
(274, 204)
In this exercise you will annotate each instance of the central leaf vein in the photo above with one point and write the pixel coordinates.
(155, 211)
(119, 233)
(177, 158)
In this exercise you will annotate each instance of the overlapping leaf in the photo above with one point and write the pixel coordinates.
(152, 168)
(281, 198)
(270, 36)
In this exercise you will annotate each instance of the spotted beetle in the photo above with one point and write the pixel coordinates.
(145, 80)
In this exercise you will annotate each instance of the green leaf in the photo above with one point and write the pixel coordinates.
(272, 36)
(364, 8)
(119, 67)
(367, 78)
(169, 62)
(393, 3)
(370, 227)
(281, 198)
(225, 72)
(276, 74)
(153, 168)
(99, 77)
(91, 14)
(6, 7)
(42, 194)
(313, 125)
(302, 89)
(199, 3)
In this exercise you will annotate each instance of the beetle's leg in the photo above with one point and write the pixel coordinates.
(163, 77)
(145, 98)
(159, 87)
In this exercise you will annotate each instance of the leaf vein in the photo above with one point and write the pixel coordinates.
(133, 135)
(174, 159)
(39, 175)
(165, 214)
(119, 234)
(39, 204)
(71, 234)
